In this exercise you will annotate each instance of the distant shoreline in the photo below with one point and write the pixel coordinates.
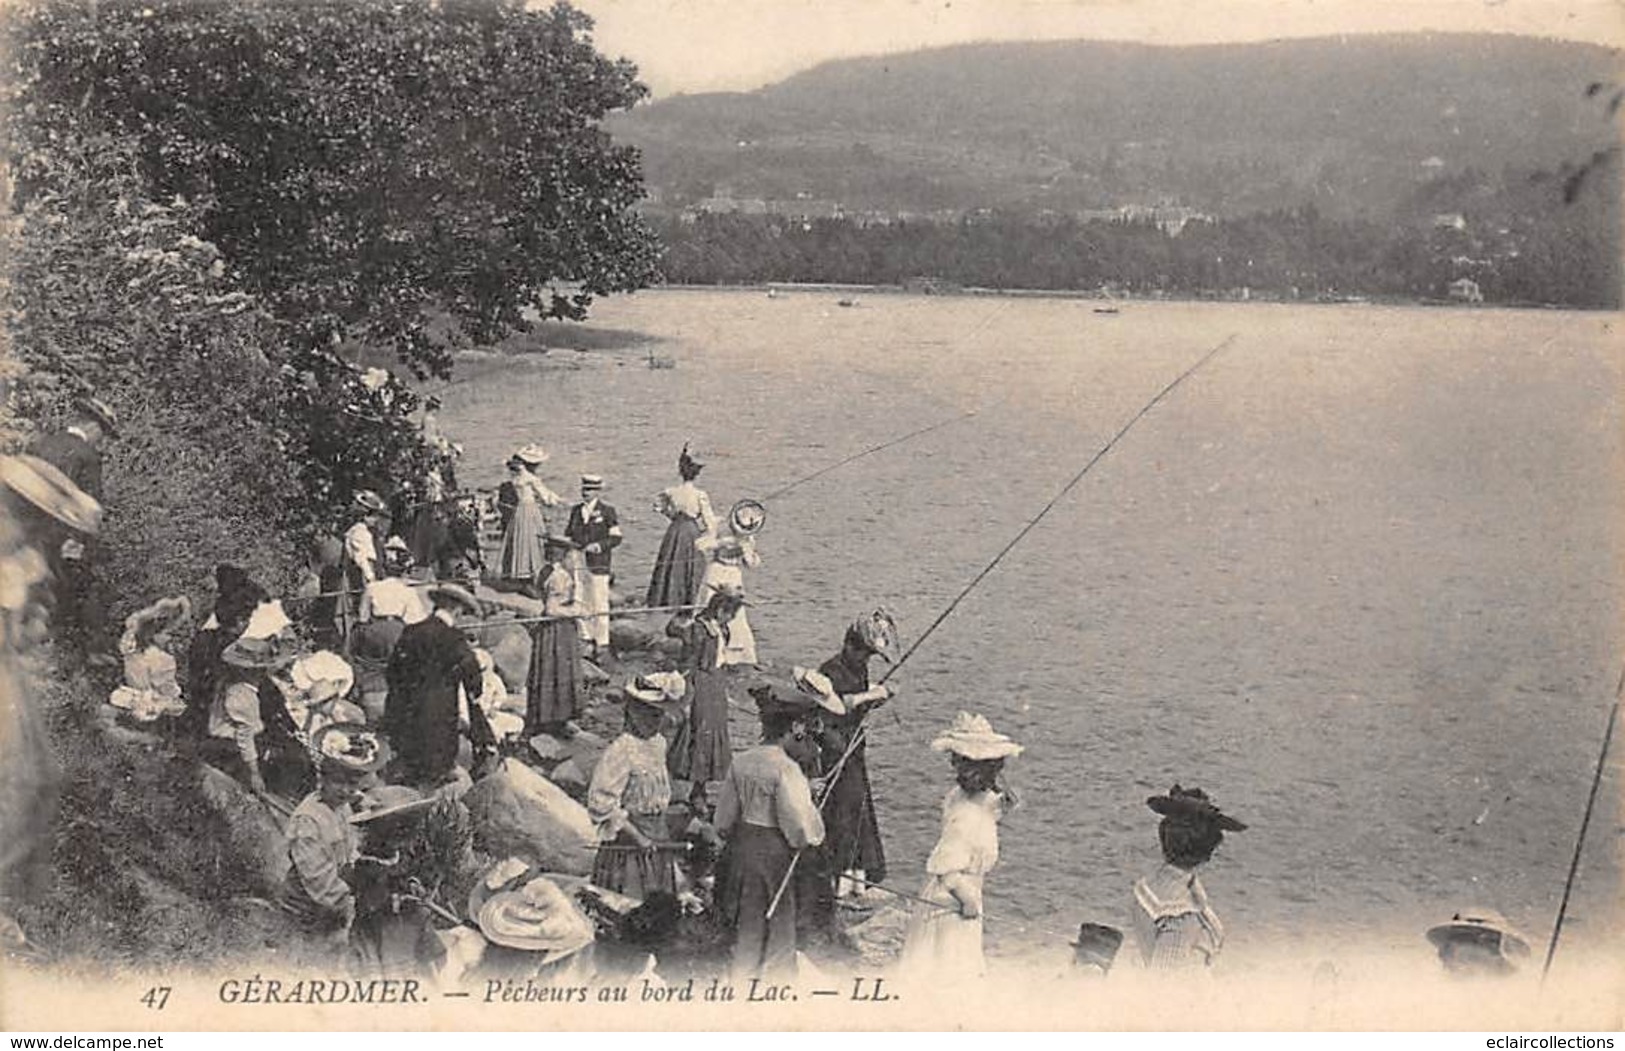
(1113, 300)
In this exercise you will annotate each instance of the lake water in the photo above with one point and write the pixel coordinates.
(1359, 577)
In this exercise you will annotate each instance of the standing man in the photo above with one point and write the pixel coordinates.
(362, 543)
(76, 452)
(596, 531)
(37, 505)
(421, 717)
(767, 813)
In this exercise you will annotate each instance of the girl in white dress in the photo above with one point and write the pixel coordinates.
(731, 551)
(945, 937)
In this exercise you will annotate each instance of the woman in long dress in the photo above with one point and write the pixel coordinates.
(945, 937)
(680, 566)
(702, 750)
(553, 691)
(522, 555)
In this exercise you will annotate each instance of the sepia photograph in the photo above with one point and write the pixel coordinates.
(866, 515)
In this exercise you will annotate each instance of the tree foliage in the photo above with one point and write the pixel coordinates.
(363, 163)
(210, 201)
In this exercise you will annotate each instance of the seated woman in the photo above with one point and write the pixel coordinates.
(251, 734)
(945, 936)
(150, 689)
(1178, 930)
(237, 598)
(631, 790)
(322, 843)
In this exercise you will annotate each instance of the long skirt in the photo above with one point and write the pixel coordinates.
(626, 869)
(853, 841)
(758, 859)
(942, 944)
(522, 543)
(702, 750)
(679, 567)
(553, 690)
(741, 648)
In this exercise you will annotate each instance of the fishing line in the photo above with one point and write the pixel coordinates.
(863, 727)
(1585, 825)
(775, 494)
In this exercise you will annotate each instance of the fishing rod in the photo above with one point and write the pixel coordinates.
(863, 727)
(1585, 825)
(918, 899)
(775, 494)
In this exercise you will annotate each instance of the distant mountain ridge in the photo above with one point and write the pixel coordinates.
(1355, 125)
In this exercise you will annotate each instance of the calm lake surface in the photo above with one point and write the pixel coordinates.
(1359, 577)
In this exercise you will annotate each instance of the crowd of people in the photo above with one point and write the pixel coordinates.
(373, 698)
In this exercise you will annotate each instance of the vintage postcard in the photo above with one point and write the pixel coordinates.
(846, 516)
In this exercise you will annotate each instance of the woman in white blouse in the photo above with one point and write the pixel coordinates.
(945, 937)
(680, 566)
(631, 790)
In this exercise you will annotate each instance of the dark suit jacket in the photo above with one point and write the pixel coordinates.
(594, 530)
(431, 659)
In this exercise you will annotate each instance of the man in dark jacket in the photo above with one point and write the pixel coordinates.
(596, 531)
(430, 661)
(76, 452)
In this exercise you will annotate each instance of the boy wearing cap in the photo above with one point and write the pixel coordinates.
(596, 531)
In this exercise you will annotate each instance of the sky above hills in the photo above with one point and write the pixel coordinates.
(740, 45)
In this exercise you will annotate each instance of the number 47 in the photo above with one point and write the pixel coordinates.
(156, 997)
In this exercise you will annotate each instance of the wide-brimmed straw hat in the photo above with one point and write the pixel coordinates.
(43, 486)
(1193, 803)
(322, 675)
(452, 595)
(815, 684)
(973, 737)
(277, 651)
(162, 615)
(538, 917)
(1485, 927)
(530, 454)
(99, 411)
(747, 517)
(657, 688)
(348, 748)
(370, 502)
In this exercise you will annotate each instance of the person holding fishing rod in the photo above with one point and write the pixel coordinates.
(945, 935)
(853, 847)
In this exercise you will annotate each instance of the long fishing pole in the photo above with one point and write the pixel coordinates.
(863, 727)
(775, 494)
(1585, 825)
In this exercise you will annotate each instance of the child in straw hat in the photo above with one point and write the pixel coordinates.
(150, 688)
